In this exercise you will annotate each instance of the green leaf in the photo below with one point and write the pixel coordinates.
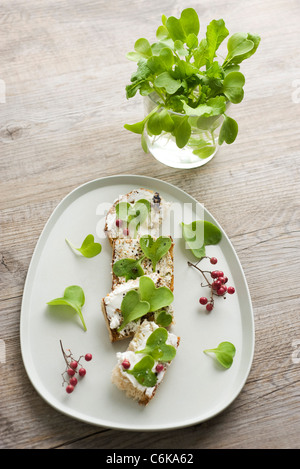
(132, 308)
(142, 371)
(128, 268)
(157, 348)
(175, 29)
(155, 250)
(165, 80)
(229, 131)
(73, 297)
(201, 56)
(256, 40)
(201, 110)
(217, 105)
(162, 318)
(238, 45)
(192, 41)
(233, 87)
(143, 47)
(88, 248)
(166, 121)
(189, 21)
(137, 128)
(137, 211)
(215, 34)
(200, 233)
(154, 125)
(182, 130)
(224, 353)
(205, 151)
(157, 297)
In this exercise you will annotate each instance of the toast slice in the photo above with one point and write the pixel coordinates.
(130, 248)
(126, 381)
(111, 309)
(115, 228)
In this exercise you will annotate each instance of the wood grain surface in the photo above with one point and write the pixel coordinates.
(65, 71)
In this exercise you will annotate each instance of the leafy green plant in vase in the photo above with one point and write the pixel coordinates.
(187, 88)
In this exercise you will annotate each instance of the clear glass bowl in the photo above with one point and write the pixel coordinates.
(200, 149)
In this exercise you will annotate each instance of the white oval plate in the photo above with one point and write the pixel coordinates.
(195, 387)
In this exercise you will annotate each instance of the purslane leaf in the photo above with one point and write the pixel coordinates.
(155, 250)
(157, 297)
(224, 353)
(189, 21)
(229, 130)
(200, 233)
(157, 348)
(142, 371)
(215, 34)
(238, 46)
(88, 248)
(132, 308)
(233, 87)
(73, 297)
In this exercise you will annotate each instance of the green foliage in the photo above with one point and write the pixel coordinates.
(142, 371)
(147, 298)
(88, 248)
(133, 214)
(186, 77)
(74, 298)
(128, 268)
(200, 233)
(155, 250)
(157, 348)
(224, 353)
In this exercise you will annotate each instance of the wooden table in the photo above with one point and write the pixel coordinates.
(64, 67)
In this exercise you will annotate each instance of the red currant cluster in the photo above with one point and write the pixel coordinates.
(217, 286)
(73, 367)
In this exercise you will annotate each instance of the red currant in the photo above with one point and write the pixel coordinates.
(82, 372)
(71, 372)
(220, 273)
(73, 381)
(88, 357)
(209, 306)
(69, 388)
(221, 291)
(159, 367)
(216, 284)
(222, 279)
(126, 364)
(214, 274)
(203, 300)
(73, 365)
(230, 290)
(213, 260)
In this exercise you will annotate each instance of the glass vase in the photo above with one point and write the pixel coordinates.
(200, 148)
